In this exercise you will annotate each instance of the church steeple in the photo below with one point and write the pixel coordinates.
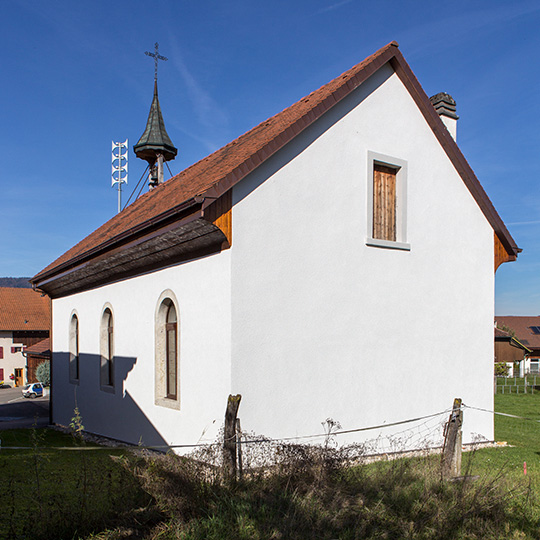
(155, 139)
(155, 145)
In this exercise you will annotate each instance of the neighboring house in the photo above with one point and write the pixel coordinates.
(25, 319)
(510, 351)
(36, 355)
(321, 265)
(527, 331)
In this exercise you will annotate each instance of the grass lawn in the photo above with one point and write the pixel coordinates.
(522, 435)
(56, 493)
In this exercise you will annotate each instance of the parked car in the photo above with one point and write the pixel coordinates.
(33, 390)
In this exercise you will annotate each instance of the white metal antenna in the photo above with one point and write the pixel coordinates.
(119, 167)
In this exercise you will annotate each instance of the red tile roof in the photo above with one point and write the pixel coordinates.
(218, 172)
(24, 309)
(42, 347)
(501, 333)
(522, 327)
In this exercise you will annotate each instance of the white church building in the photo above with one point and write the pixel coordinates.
(336, 261)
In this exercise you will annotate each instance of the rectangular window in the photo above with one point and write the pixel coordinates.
(384, 203)
(1, 352)
(387, 202)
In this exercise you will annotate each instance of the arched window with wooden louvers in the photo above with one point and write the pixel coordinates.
(107, 350)
(167, 351)
(74, 367)
(171, 329)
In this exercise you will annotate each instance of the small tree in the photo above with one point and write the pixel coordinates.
(43, 373)
(501, 369)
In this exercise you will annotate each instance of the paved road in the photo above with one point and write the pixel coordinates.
(18, 412)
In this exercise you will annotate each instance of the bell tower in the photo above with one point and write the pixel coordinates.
(155, 145)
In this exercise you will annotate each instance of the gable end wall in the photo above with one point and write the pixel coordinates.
(324, 325)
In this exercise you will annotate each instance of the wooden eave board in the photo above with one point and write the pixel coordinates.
(169, 247)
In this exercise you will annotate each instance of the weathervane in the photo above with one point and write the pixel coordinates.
(156, 57)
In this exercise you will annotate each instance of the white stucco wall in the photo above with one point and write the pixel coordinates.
(11, 360)
(202, 289)
(300, 316)
(324, 325)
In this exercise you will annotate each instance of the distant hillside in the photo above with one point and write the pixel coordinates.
(19, 282)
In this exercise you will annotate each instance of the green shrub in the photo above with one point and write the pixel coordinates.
(43, 373)
(501, 369)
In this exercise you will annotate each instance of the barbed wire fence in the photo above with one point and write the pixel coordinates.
(253, 452)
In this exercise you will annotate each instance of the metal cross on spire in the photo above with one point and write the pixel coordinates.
(156, 57)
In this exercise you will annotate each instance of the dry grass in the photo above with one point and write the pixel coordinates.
(313, 492)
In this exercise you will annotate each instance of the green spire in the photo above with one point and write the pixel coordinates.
(155, 139)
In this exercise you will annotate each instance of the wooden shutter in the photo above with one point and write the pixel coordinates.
(384, 203)
(1, 352)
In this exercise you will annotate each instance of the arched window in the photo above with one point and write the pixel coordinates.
(74, 349)
(167, 351)
(171, 329)
(107, 349)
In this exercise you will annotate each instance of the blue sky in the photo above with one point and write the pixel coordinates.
(75, 77)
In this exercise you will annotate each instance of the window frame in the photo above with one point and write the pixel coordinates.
(170, 361)
(106, 371)
(162, 395)
(74, 349)
(401, 168)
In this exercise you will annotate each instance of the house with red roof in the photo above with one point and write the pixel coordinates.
(526, 330)
(344, 237)
(35, 355)
(25, 319)
(511, 352)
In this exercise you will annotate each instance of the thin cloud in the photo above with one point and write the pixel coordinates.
(456, 29)
(537, 222)
(209, 114)
(332, 7)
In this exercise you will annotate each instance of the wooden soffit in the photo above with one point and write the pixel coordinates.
(162, 247)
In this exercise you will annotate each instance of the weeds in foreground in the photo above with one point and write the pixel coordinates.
(316, 492)
(286, 491)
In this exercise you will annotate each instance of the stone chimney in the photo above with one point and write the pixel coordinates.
(446, 108)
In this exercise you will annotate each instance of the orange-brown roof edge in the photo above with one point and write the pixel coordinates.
(109, 244)
(455, 155)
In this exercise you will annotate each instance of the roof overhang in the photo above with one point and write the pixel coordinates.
(180, 237)
(513, 342)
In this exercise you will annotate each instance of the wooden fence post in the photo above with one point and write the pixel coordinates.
(451, 454)
(229, 437)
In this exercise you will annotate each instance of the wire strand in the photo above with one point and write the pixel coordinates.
(170, 172)
(135, 188)
(500, 413)
(202, 445)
